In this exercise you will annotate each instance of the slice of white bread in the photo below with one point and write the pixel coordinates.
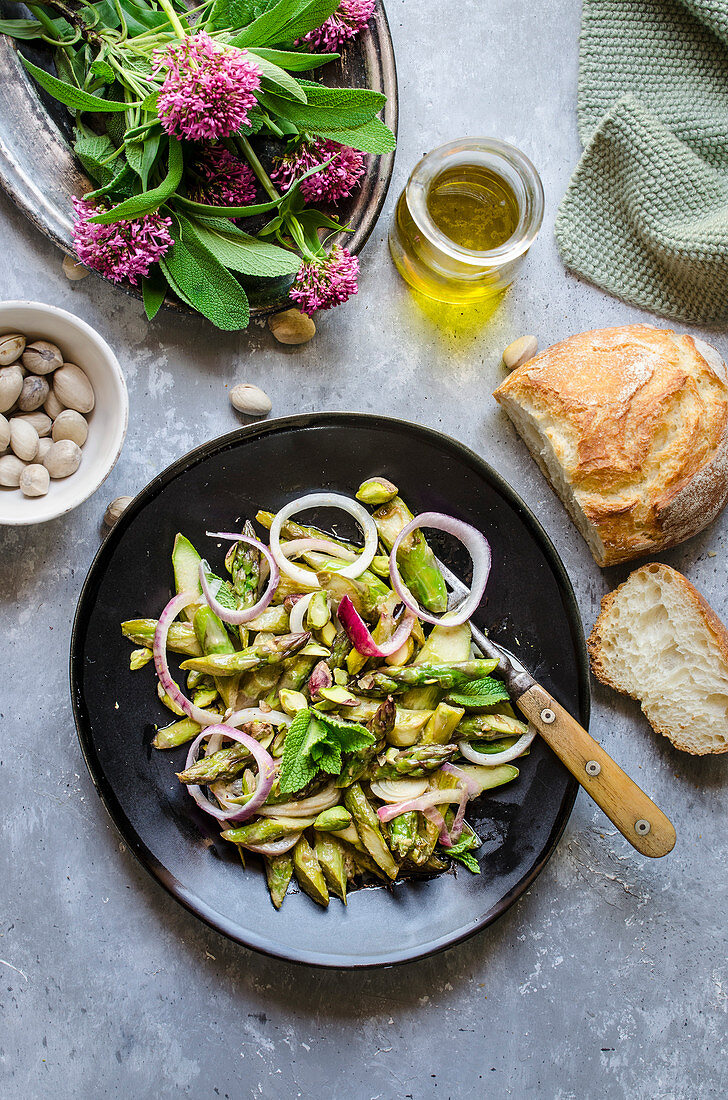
(657, 640)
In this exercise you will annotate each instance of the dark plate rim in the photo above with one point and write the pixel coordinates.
(148, 861)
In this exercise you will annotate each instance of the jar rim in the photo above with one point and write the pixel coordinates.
(497, 154)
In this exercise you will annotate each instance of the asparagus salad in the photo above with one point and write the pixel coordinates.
(338, 716)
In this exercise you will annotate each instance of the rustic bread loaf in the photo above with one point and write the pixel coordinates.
(630, 425)
(657, 640)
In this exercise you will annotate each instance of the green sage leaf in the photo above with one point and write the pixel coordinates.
(149, 201)
(203, 281)
(295, 60)
(243, 253)
(74, 98)
(279, 78)
(344, 109)
(286, 21)
(372, 137)
(154, 291)
(203, 210)
(23, 29)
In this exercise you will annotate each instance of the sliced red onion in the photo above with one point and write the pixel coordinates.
(311, 807)
(255, 714)
(424, 802)
(266, 774)
(397, 790)
(470, 785)
(245, 614)
(299, 546)
(361, 638)
(297, 614)
(275, 847)
(492, 759)
(159, 648)
(477, 546)
(320, 678)
(437, 819)
(324, 500)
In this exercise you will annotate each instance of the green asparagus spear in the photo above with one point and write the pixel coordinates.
(330, 854)
(340, 648)
(293, 530)
(179, 733)
(367, 826)
(265, 829)
(366, 597)
(274, 620)
(376, 490)
(489, 727)
(416, 560)
(414, 763)
(242, 562)
(308, 872)
(403, 834)
(180, 638)
(380, 724)
(278, 872)
(228, 762)
(442, 724)
(186, 563)
(445, 645)
(397, 678)
(266, 653)
(425, 841)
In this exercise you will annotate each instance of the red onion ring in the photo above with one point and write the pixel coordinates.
(470, 785)
(266, 774)
(424, 802)
(159, 649)
(274, 847)
(437, 819)
(298, 546)
(477, 546)
(493, 759)
(299, 610)
(243, 615)
(324, 500)
(361, 638)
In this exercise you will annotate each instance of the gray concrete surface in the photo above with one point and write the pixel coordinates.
(609, 978)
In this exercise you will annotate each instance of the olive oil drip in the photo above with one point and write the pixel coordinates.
(473, 206)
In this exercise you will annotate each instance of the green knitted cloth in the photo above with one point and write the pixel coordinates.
(645, 215)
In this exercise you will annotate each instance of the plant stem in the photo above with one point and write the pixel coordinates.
(258, 168)
(71, 16)
(174, 19)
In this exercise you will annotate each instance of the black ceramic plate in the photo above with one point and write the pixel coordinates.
(529, 607)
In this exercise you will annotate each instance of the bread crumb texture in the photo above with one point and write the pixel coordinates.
(630, 425)
(659, 641)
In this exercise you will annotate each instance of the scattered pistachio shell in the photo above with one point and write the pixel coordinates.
(23, 439)
(292, 701)
(44, 446)
(34, 392)
(4, 433)
(73, 270)
(115, 509)
(38, 420)
(250, 399)
(11, 467)
(292, 327)
(70, 425)
(34, 481)
(11, 383)
(12, 346)
(520, 351)
(52, 405)
(63, 458)
(73, 389)
(42, 357)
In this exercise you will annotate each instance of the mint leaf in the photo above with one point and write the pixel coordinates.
(327, 757)
(479, 693)
(349, 736)
(298, 768)
(74, 98)
(465, 858)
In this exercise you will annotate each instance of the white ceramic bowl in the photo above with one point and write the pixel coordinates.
(107, 422)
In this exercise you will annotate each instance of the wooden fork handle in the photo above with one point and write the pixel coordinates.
(636, 816)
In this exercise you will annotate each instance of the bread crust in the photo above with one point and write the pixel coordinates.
(633, 422)
(713, 625)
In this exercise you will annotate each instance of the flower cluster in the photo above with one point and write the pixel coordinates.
(350, 17)
(326, 283)
(333, 183)
(208, 89)
(123, 250)
(222, 179)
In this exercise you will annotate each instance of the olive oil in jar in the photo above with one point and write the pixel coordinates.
(473, 206)
(467, 217)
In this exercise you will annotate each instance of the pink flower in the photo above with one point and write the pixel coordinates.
(207, 90)
(224, 179)
(332, 183)
(124, 250)
(326, 284)
(350, 17)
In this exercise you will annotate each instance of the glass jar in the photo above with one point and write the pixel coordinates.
(436, 265)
